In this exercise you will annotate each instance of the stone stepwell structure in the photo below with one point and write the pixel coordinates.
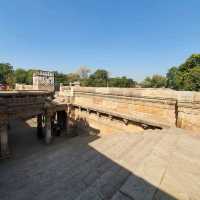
(131, 144)
(107, 109)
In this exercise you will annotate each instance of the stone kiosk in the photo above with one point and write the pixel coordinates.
(43, 80)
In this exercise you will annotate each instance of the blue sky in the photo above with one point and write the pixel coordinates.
(126, 37)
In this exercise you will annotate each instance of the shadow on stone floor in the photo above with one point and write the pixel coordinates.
(69, 168)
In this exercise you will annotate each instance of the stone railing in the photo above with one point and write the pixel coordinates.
(165, 107)
(34, 87)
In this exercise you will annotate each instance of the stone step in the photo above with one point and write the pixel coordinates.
(56, 169)
(75, 152)
(116, 152)
(114, 177)
(183, 174)
(106, 185)
(136, 155)
(86, 174)
(140, 155)
(146, 177)
(32, 165)
(57, 152)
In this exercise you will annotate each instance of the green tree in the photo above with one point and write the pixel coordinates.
(7, 74)
(29, 78)
(100, 74)
(20, 76)
(174, 78)
(191, 62)
(99, 78)
(156, 81)
(147, 83)
(60, 78)
(192, 79)
(186, 76)
(122, 82)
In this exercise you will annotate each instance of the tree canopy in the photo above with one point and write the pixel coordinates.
(156, 81)
(183, 77)
(186, 76)
(6, 74)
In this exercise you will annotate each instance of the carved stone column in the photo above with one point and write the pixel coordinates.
(62, 118)
(39, 126)
(4, 150)
(59, 119)
(48, 128)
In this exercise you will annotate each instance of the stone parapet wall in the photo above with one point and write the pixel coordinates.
(162, 93)
(23, 87)
(34, 87)
(164, 106)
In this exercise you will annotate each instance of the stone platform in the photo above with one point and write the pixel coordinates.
(158, 164)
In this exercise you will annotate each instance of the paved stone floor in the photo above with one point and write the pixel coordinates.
(161, 164)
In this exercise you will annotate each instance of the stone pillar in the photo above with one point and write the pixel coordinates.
(39, 126)
(4, 150)
(70, 120)
(48, 129)
(64, 121)
(62, 118)
(59, 119)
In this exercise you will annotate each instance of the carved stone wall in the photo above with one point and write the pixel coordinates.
(159, 107)
(98, 123)
(43, 80)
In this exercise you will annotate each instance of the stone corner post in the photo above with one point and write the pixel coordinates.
(39, 126)
(48, 128)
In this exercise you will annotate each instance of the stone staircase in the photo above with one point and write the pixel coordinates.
(120, 166)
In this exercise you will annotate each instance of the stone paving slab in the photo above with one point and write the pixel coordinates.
(153, 165)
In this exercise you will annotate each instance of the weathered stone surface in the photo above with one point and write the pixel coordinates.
(164, 106)
(157, 164)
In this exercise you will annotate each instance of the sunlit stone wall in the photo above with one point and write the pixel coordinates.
(164, 107)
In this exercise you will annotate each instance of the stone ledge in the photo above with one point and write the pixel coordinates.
(139, 120)
(170, 101)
